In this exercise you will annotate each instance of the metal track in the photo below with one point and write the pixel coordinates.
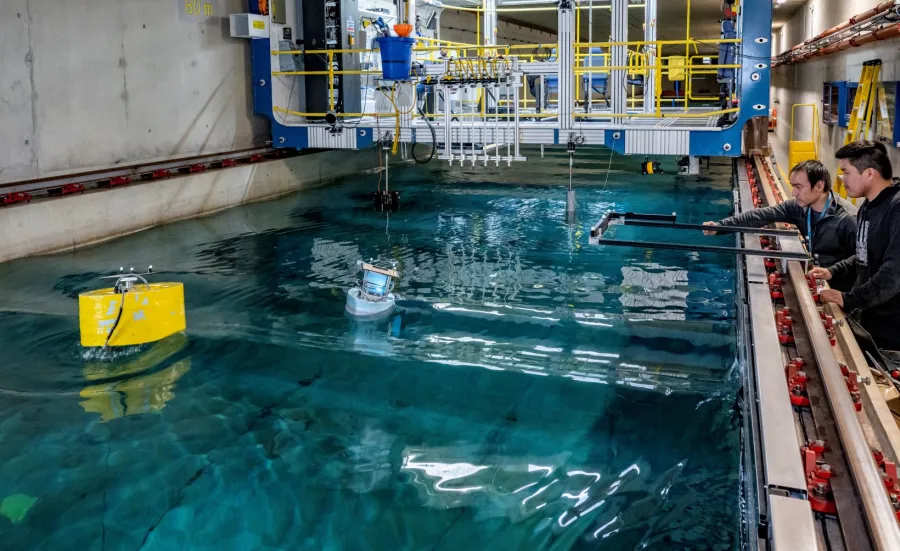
(94, 178)
(880, 518)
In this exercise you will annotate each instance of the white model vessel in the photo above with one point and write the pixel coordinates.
(373, 295)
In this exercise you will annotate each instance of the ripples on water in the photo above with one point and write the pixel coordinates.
(530, 391)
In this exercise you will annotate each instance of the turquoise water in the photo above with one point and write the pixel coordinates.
(531, 392)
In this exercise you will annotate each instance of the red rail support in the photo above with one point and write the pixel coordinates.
(13, 198)
(119, 181)
(799, 397)
(72, 188)
(794, 367)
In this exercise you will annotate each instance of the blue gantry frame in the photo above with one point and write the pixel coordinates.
(754, 57)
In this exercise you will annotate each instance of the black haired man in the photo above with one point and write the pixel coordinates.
(876, 293)
(827, 220)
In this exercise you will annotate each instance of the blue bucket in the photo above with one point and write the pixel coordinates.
(396, 56)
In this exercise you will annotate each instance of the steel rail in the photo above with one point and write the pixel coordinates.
(879, 514)
(140, 169)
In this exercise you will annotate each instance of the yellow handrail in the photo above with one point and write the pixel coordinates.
(815, 130)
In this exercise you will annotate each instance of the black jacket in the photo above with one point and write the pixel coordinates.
(834, 237)
(876, 264)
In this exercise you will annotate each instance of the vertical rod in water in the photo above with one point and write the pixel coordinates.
(508, 126)
(516, 129)
(387, 180)
(570, 194)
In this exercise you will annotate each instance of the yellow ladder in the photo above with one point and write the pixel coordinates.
(863, 108)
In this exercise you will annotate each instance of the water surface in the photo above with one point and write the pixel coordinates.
(531, 392)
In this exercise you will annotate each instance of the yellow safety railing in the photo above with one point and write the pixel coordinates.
(804, 150)
(488, 56)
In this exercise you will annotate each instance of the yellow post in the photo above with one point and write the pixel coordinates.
(658, 91)
(478, 28)
(577, 40)
(330, 81)
(687, 54)
(802, 150)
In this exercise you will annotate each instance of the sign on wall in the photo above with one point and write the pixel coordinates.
(201, 11)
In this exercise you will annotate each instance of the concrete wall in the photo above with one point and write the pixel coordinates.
(95, 83)
(76, 221)
(802, 83)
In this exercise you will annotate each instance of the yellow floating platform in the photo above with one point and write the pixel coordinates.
(150, 313)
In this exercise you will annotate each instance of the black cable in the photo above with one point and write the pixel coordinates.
(433, 140)
(115, 325)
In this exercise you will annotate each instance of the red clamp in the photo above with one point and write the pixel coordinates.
(229, 163)
(813, 283)
(799, 397)
(821, 498)
(13, 198)
(817, 446)
(793, 367)
(857, 400)
(770, 264)
(197, 168)
(890, 484)
(784, 323)
(160, 173)
(119, 181)
(785, 337)
(777, 292)
(776, 278)
(890, 469)
(255, 158)
(799, 378)
(783, 317)
(72, 188)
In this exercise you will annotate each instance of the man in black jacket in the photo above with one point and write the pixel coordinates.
(876, 265)
(827, 220)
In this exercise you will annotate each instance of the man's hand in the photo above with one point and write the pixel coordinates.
(710, 232)
(833, 296)
(820, 273)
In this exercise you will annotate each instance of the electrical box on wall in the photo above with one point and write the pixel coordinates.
(847, 97)
(249, 25)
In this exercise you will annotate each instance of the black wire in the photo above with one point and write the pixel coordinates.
(115, 325)
(433, 140)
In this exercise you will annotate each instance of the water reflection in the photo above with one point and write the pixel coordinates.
(136, 386)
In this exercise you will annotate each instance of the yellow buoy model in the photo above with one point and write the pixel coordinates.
(131, 312)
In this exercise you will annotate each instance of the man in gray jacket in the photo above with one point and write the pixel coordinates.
(827, 220)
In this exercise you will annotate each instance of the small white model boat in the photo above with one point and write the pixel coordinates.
(373, 295)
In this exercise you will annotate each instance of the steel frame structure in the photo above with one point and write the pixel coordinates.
(638, 131)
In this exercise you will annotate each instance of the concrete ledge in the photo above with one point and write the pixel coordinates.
(68, 223)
